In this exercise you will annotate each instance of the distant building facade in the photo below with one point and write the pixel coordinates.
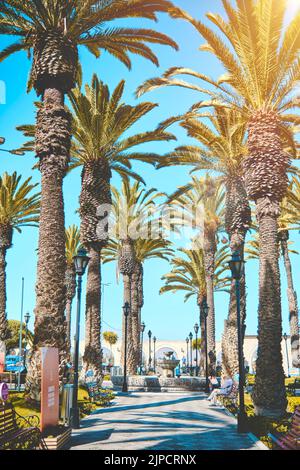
(179, 348)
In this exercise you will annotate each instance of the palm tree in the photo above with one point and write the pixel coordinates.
(222, 151)
(72, 247)
(200, 204)
(288, 220)
(111, 338)
(144, 249)
(134, 210)
(100, 121)
(260, 55)
(54, 31)
(188, 275)
(19, 207)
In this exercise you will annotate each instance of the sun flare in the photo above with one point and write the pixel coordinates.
(293, 4)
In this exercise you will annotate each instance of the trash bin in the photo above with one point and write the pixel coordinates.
(66, 405)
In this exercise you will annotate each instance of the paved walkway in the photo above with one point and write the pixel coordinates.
(160, 421)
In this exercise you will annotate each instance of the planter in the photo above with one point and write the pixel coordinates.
(60, 441)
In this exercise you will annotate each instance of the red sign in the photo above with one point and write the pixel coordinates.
(49, 388)
(3, 391)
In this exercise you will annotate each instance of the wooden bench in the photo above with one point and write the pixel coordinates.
(291, 439)
(17, 432)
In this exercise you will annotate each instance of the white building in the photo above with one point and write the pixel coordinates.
(179, 349)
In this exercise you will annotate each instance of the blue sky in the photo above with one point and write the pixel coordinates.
(167, 315)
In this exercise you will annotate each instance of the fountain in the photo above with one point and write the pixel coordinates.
(164, 382)
(168, 364)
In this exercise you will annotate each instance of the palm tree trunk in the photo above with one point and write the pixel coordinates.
(141, 304)
(209, 248)
(95, 204)
(93, 354)
(3, 319)
(53, 138)
(292, 299)
(269, 394)
(230, 353)
(237, 222)
(265, 171)
(127, 264)
(127, 298)
(202, 330)
(135, 318)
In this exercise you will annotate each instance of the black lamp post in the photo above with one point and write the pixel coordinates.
(26, 318)
(191, 352)
(237, 266)
(204, 312)
(187, 354)
(154, 361)
(196, 329)
(143, 326)
(285, 337)
(126, 311)
(80, 262)
(149, 358)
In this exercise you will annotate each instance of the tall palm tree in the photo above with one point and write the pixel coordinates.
(260, 55)
(72, 247)
(144, 250)
(222, 151)
(100, 121)
(200, 205)
(54, 30)
(188, 275)
(19, 207)
(288, 220)
(134, 216)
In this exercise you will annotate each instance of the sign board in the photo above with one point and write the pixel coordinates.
(14, 363)
(3, 391)
(49, 388)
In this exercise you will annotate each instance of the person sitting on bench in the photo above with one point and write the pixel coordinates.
(225, 389)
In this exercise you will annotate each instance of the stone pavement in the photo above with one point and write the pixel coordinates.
(160, 421)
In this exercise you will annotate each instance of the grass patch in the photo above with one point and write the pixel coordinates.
(261, 426)
(25, 407)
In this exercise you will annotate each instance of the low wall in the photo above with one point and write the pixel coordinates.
(137, 383)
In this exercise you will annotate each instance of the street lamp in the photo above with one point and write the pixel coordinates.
(236, 265)
(81, 261)
(26, 318)
(285, 337)
(204, 312)
(154, 343)
(143, 326)
(149, 358)
(126, 311)
(196, 329)
(187, 354)
(191, 352)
